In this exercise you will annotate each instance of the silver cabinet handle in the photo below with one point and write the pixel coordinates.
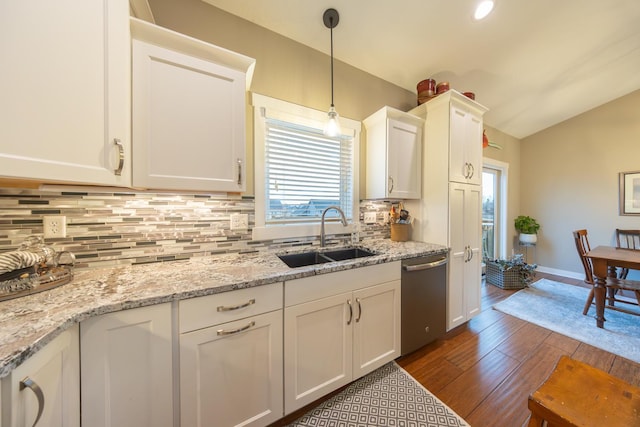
(470, 253)
(390, 184)
(235, 331)
(236, 307)
(472, 170)
(359, 310)
(350, 312)
(239, 171)
(35, 388)
(118, 170)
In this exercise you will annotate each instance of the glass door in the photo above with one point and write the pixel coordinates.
(490, 199)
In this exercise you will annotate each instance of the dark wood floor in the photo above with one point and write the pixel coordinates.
(485, 369)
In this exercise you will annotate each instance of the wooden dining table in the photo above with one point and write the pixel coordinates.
(604, 260)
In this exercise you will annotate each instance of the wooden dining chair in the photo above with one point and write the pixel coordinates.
(582, 246)
(627, 239)
(613, 284)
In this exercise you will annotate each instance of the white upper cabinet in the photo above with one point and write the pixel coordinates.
(454, 124)
(394, 154)
(465, 161)
(65, 85)
(189, 112)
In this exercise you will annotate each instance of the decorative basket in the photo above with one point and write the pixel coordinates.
(504, 279)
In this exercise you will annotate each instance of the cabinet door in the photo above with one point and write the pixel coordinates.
(231, 374)
(188, 122)
(465, 151)
(465, 233)
(56, 370)
(473, 150)
(376, 334)
(473, 237)
(126, 368)
(65, 90)
(456, 313)
(404, 158)
(317, 349)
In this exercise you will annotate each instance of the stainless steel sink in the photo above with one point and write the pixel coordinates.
(304, 259)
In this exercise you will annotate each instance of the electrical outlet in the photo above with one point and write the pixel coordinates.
(385, 217)
(55, 226)
(238, 221)
(369, 217)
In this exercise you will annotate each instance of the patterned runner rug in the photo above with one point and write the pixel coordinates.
(388, 396)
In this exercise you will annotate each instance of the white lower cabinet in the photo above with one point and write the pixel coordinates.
(465, 237)
(338, 327)
(231, 373)
(126, 366)
(49, 381)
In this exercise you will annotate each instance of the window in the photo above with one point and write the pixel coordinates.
(300, 171)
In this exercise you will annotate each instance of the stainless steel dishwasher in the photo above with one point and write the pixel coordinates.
(424, 301)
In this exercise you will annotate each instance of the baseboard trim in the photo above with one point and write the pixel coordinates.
(557, 272)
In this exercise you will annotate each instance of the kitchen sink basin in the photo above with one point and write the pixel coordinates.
(303, 259)
(312, 258)
(351, 253)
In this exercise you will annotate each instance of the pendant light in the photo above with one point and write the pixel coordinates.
(332, 127)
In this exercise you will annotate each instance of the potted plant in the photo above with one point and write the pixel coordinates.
(528, 229)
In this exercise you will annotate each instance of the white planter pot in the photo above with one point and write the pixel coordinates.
(528, 239)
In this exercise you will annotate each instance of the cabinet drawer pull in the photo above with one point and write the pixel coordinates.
(359, 310)
(29, 383)
(239, 172)
(118, 170)
(350, 312)
(236, 307)
(235, 331)
(390, 184)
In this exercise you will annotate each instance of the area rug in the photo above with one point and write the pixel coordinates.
(558, 306)
(388, 396)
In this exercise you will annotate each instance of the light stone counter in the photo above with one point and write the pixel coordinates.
(29, 323)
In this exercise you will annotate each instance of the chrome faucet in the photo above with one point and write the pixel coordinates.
(343, 219)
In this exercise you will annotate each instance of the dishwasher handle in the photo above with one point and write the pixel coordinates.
(425, 266)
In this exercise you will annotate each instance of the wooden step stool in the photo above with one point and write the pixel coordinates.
(576, 394)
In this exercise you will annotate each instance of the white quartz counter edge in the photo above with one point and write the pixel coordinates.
(29, 323)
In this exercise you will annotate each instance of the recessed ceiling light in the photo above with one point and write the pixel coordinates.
(483, 9)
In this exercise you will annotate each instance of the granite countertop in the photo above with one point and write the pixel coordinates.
(29, 323)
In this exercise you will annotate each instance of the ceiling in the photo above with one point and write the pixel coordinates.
(532, 63)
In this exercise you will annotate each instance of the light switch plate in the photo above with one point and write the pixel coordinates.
(369, 217)
(239, 221)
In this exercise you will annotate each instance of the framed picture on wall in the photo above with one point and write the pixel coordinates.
(630, 193)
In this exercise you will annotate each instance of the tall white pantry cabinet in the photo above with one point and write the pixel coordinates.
(451, 206)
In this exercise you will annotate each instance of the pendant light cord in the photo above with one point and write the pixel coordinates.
(331, 28)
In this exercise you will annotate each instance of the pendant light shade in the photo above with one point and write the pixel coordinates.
(332, 127)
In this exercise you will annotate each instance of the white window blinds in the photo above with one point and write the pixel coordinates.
(306, 172)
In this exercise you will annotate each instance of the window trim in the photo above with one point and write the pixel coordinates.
(264, 106)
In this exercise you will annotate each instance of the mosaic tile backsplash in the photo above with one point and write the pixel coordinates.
(106, 229)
